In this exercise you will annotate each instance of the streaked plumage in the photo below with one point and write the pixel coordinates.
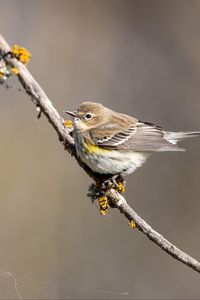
(113, 143)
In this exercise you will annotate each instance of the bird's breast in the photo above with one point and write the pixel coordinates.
(105, 161)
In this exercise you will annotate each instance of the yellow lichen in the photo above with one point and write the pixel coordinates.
(103, 212)
(103, 205)
(68, 123)
(132, 224)
(21, 53)
(15, 71)
(120, 187)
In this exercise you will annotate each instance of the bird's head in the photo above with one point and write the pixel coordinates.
(88, 115)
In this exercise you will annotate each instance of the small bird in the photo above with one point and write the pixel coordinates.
(112, 143)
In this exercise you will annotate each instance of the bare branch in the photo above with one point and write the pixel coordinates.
(153, 235)
(38, 96)
(41, 100)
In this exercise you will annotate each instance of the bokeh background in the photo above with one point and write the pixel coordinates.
(137, 57)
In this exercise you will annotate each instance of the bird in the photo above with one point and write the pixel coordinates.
(112, 143)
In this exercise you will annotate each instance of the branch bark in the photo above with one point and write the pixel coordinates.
(41, 100)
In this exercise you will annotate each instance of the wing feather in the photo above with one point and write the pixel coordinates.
(137, 136)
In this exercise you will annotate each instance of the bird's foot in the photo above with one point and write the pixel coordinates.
(104, 184)
(121, 183)
(116, 182)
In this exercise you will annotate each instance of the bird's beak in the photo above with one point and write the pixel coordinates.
(71, 113)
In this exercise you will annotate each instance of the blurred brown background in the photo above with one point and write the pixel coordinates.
(138, 57)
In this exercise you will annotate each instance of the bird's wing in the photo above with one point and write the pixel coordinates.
(115, 132)
(134, 136)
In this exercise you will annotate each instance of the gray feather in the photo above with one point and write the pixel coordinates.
(142, 137)
(149, 138)
(175, 137)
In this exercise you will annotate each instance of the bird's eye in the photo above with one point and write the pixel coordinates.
(88, 116)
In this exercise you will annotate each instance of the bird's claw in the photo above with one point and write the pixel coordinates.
(116, 182)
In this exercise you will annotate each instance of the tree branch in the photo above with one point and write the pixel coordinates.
(40, 99)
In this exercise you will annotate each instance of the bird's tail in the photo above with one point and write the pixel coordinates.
(175, 137)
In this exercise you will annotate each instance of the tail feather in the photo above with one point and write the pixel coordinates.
(175, 137)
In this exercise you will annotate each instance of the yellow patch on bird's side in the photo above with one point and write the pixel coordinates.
(94, 148)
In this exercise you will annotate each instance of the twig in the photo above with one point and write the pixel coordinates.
(41, 100)
(153, 235)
